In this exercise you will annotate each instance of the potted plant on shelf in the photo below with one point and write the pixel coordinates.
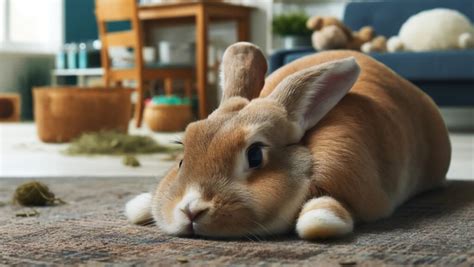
(292, 28)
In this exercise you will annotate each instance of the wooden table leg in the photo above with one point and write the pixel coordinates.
(140, 105)
(201, 56)
(243, 29)
(168, 86)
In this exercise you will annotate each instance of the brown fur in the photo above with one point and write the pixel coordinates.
(244, 67)
(385, 124)
(382, 143)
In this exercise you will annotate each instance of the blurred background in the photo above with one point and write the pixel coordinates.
(166, 55)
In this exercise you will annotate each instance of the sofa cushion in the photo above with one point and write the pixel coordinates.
(434, 66)
(278, 57)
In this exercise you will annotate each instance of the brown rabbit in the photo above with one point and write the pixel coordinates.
(306, 155)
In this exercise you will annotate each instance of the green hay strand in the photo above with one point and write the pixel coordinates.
(29, 213)
(114, 143)
(129, 160)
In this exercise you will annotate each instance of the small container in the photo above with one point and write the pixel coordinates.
(149, 54)
(82, 55)
(167, 118)
(71, 50)
(176, 53)
(61, 59)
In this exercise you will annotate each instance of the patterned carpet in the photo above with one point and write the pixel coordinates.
(436, 228)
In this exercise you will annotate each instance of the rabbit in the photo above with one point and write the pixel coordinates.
(324, 142)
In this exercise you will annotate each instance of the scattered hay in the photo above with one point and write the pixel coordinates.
(182, 260)
(29, 213)
(35, 194)
(114, 143)
(347, 263)
(131, 161)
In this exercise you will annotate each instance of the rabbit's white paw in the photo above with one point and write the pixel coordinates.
(138, 209)
(323, 217)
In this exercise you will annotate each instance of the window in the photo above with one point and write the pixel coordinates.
(32, 26)
(3, 20)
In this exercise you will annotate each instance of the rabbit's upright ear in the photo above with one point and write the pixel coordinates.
(308, 95)
(243, 71)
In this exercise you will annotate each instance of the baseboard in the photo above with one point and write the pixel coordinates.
(459, 119)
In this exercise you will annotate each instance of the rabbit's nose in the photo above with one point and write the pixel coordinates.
(194, 212)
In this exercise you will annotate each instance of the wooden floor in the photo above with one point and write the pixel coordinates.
(22, 155)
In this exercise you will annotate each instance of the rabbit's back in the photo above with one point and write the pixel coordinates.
(384, 142)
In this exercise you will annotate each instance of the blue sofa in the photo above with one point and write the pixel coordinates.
(447, 76)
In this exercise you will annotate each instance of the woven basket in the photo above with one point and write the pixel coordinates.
(9, 107)
(168, 118)
(62, 114)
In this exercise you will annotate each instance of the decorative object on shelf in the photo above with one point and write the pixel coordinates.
(176, 52)
(89, 55)
(149, 54)
(168, 113)
(71, 55)
(292, 28)
(434, 30)
(79, 56)
(64, 113)
(10, 105)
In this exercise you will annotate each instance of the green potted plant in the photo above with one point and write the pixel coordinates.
(292, 28)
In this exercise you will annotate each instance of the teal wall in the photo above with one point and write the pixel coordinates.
(80, 22)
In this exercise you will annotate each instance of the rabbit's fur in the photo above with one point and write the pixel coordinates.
(330, 157)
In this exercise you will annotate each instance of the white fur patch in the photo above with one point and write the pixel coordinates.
(192, 194)
(138, 209)
(321, 223)
(180, 221)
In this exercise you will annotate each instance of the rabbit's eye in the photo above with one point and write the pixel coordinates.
(180, 163)
(255, 155)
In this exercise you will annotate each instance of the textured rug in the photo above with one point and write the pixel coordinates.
(436, 228)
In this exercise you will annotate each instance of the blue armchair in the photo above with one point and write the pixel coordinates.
(447, 76)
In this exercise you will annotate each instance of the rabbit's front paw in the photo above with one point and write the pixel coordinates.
(323, 217)
(138, 209)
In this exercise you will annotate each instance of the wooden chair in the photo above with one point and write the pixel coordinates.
(126, 10)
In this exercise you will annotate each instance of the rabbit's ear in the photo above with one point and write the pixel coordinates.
(308, 95)
(243, 71)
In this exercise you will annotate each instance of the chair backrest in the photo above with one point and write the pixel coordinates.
(108, 11)
(388, 16)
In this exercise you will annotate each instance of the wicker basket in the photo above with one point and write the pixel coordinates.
(64, 113)
(168, 118)
(9, 107)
